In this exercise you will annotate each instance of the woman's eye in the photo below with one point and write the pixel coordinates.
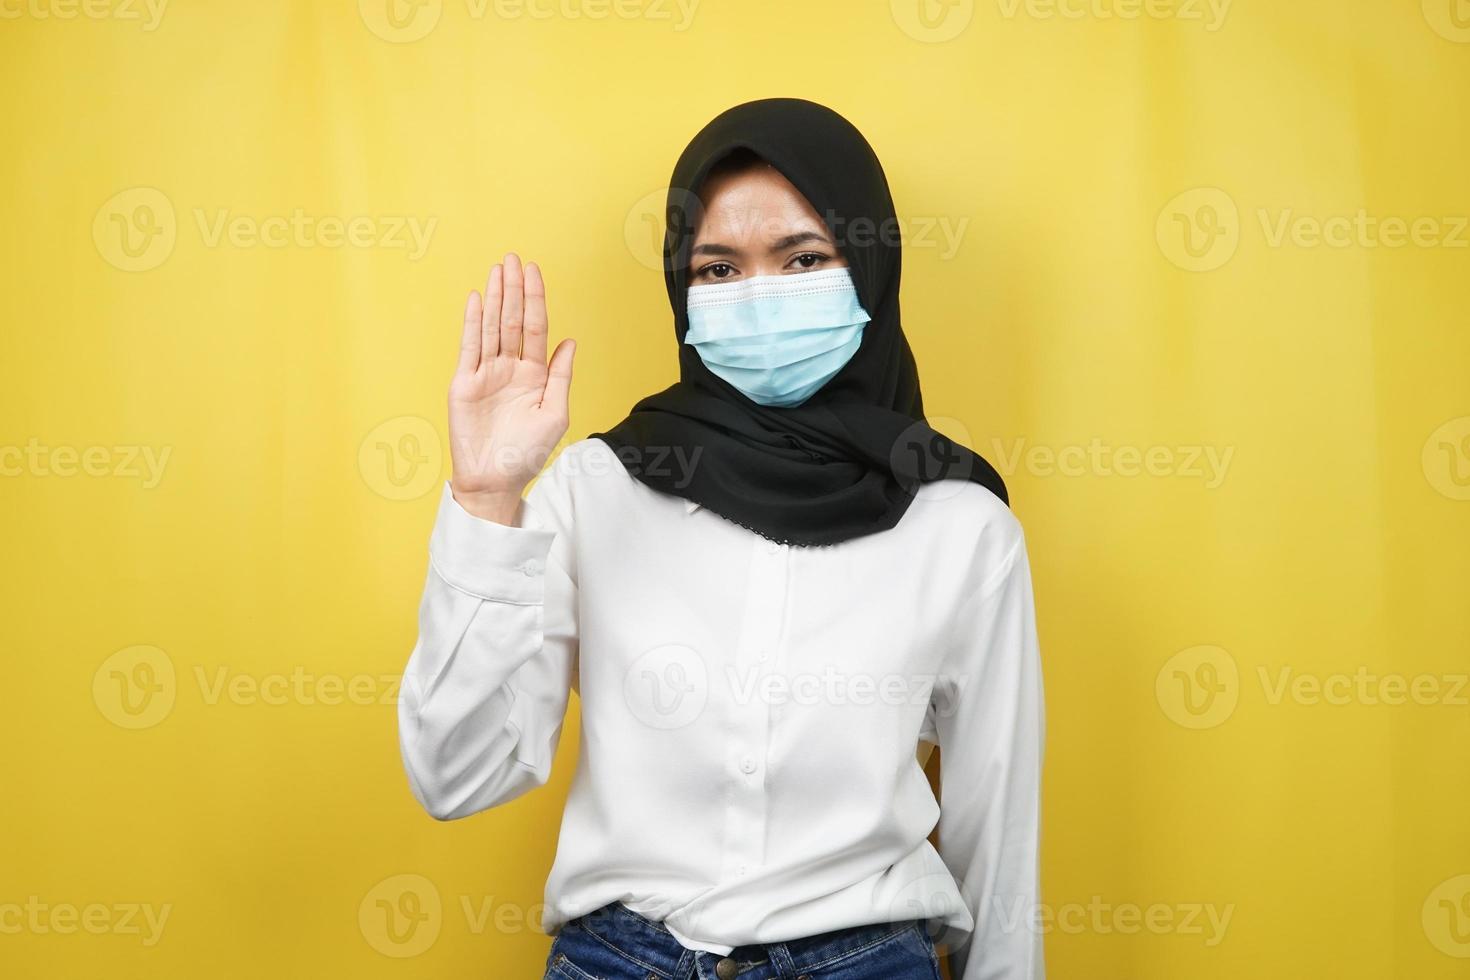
(808, 259)
(717, 270)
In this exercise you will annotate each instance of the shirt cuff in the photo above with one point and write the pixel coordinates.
(486, 559)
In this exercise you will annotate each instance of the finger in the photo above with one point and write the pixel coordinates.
(557, 393)
(512, 307)
(469, 341)
(490, 314)
(534, 345)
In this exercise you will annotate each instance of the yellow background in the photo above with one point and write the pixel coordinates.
(271, 817)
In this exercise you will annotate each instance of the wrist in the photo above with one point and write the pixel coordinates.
(499, 506)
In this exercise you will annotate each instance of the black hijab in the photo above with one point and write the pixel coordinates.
(847, 461)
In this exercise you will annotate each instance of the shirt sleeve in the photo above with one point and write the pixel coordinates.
(990, 720)
(486, 688)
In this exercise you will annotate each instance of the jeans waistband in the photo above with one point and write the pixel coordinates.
(650, 944)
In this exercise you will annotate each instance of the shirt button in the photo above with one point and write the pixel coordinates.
(531, 566)
(747, 764)
(726, 969)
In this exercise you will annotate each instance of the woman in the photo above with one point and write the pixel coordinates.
(768, 584)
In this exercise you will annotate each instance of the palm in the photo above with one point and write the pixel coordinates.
(507, 403)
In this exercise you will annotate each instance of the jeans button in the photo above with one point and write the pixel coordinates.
(726, 969)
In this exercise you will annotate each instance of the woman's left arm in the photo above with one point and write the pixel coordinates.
(990, 719)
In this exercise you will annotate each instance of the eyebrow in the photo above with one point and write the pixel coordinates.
(715, 248)
(797, 239)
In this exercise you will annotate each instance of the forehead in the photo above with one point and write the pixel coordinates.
(753, 204)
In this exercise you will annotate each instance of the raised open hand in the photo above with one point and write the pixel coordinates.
(507, 404)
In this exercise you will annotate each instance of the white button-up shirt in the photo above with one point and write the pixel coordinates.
(754, 714)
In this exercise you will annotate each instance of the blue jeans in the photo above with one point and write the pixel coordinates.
(616, 943)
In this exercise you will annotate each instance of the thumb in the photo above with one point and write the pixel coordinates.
(557, 393)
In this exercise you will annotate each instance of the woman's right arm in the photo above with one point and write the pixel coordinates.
(485, 691)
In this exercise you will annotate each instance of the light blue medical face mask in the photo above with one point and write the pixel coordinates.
(777, 338)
